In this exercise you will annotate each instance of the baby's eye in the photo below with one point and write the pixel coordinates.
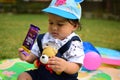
(60, 24)
(50, 23)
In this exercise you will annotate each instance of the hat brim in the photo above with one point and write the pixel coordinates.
(59, 12)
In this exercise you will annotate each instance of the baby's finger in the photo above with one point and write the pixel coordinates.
(20, 49)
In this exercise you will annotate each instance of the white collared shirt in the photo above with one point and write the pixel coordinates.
(74, 54)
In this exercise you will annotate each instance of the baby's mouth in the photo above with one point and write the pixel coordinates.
(54, 34)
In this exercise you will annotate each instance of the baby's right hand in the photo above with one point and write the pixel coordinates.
(21, 55)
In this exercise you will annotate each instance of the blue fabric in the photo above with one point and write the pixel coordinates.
(42, 74)
(89, 47)
(109, 53)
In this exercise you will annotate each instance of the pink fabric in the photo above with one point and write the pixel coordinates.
(111, 61)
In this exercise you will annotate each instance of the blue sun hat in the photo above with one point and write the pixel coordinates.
(70, 9)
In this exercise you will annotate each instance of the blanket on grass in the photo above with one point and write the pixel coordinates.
(11, 68)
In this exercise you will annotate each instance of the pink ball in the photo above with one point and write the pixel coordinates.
(92, 60)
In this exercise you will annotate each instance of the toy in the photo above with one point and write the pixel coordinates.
(48, 52)
(110, 56)
(92, 58)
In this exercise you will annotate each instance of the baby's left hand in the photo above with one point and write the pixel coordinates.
(57, 64)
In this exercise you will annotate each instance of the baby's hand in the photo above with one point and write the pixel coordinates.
(21, 55)
(57, 64)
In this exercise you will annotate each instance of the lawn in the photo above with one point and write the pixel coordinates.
(13, 29)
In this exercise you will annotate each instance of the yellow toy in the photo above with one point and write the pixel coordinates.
(47, 53)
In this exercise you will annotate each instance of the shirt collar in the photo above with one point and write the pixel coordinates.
(48, 38)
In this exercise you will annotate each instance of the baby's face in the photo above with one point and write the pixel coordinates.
(59, 27)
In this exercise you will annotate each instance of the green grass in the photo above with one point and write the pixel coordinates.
(13, 29)
(103, 33)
